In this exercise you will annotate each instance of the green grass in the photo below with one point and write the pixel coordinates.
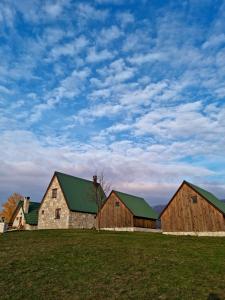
(72, 264)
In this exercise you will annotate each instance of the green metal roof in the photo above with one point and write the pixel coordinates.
(209, 196)
(79, 193)
(32, 216)
(137, 205)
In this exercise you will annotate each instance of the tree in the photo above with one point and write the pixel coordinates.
(101, 191)
(10, 206)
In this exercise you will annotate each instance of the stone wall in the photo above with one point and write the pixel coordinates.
(46, 216)
(81, 220)
(30, 227)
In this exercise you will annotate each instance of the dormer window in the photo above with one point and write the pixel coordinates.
(54, 193)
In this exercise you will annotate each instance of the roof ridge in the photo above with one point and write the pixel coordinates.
(84, 179)
(196, 186)
(128, 194)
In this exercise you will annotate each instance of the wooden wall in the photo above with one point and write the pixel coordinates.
(115, 216)
(184, 215)
(144, 223)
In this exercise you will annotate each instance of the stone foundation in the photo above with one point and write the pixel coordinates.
(191, 233)
(133, 229)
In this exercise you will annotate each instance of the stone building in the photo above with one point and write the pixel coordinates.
(25, 215)
(69, 202)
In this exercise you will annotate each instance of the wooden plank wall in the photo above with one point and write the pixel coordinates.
(184, 215)
(115, 216)
(144, 223)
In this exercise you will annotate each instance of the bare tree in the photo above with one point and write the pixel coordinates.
(101, 191)
(9, 206)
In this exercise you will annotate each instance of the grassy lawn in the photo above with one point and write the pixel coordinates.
(71, 264)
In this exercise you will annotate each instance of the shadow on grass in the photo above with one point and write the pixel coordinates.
(213, 296)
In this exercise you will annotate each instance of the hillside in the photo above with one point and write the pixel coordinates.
(71, 264)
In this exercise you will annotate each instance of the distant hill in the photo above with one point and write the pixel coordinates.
(159, 208)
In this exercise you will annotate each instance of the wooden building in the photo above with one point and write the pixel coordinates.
(193, 210)
(123, 211)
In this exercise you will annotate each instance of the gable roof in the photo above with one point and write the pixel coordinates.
(209, 197)
(78, 193)
(137, 205)
(31, 217)
(205, 194)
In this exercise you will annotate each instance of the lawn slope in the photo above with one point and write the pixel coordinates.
(71, 264)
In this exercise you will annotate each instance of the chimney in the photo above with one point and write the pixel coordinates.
(26, 202)
(95, 181)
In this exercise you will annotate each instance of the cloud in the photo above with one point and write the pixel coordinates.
(68, 88)
(108, 35)
(33, 160)
(88, 12)
(125, 18)
(95, 56)
(69, 49)
(214, 41)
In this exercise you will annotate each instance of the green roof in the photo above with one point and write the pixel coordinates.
(209, 196)
(79, 193)
(32, 216)
(137, 205)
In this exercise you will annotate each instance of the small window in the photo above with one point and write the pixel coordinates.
(117, 204)
(54, 193)
(57, 213)
(17, 218)
(194, 199)
(42, 212)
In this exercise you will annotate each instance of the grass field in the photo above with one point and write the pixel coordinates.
(71, 264)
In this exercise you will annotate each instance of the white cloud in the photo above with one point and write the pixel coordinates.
(87, 12)
(214, 41)
(70, 49)
(29, 163)
(53, 9)
(125, 18)
(108, 35)
(68, 88)
(94, 56)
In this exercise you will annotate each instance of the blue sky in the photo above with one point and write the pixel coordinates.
(133, 88)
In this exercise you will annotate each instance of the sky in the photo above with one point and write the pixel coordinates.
(135, 89)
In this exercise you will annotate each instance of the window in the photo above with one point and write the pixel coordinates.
(194, 199)
(57, 213)
(117, 204)
(42, 212)
(54, 193)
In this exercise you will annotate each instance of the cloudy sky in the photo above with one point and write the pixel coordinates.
(133, 88)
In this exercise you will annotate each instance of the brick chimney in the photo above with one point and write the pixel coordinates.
(26, 202)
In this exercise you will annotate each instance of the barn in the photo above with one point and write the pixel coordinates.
(193, 211)
(126, 212)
